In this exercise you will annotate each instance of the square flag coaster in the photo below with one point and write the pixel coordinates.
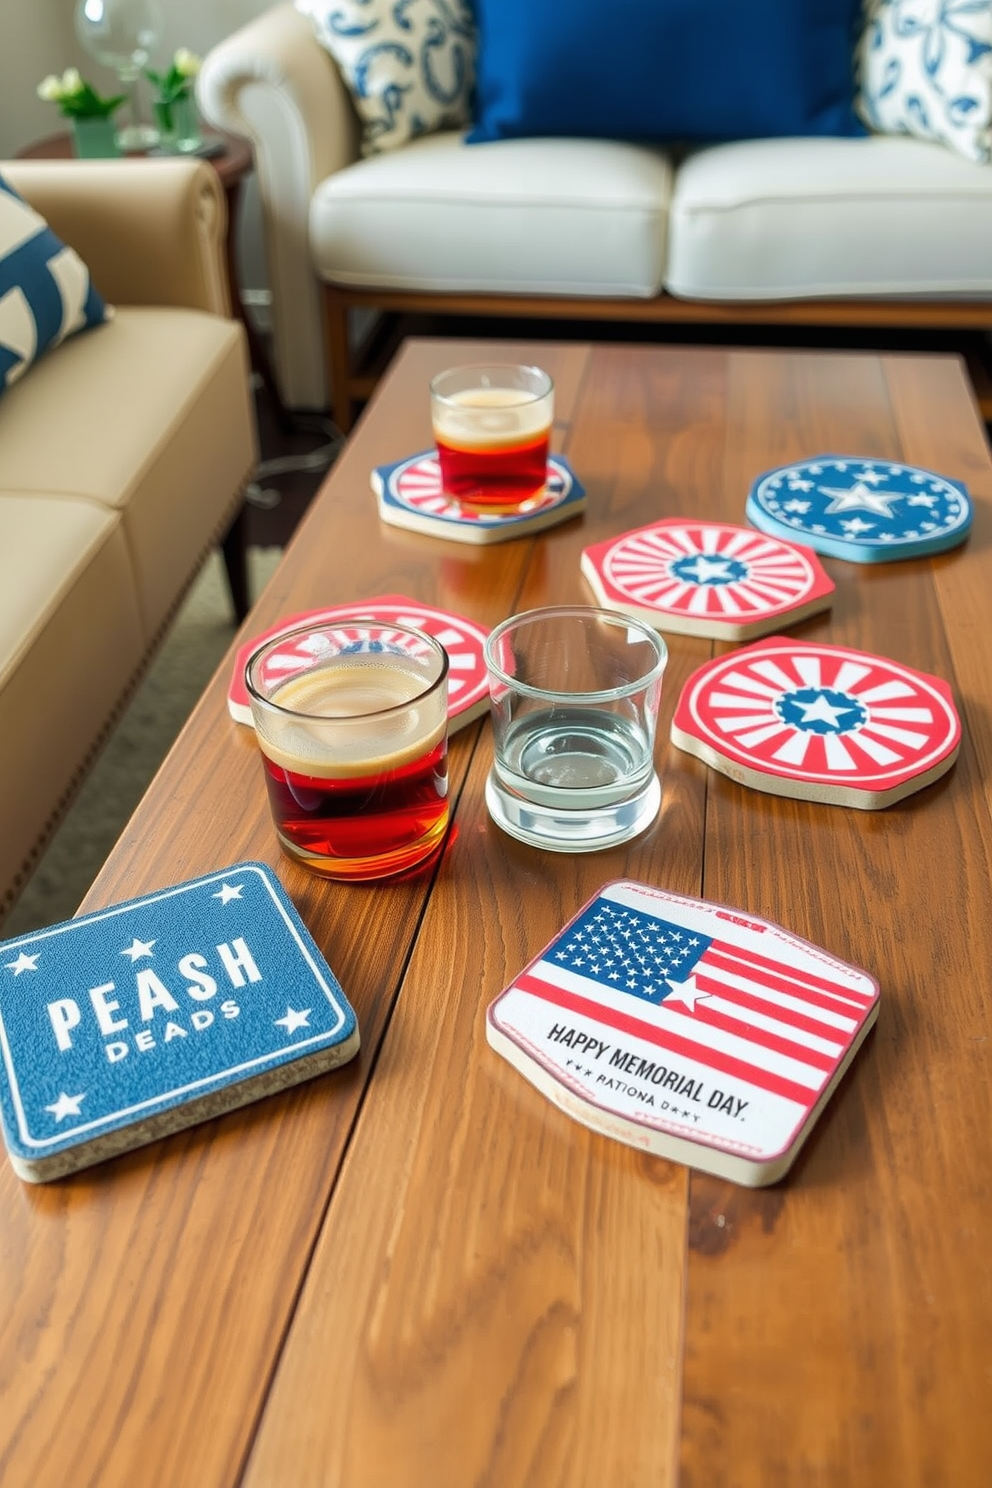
(141, 1019)
(409, 495)
(697, 1032)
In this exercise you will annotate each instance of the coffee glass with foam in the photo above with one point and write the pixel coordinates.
(492, 429)
(352, 722)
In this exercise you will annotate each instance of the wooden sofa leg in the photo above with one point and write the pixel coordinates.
(338, 357)
(234, 547)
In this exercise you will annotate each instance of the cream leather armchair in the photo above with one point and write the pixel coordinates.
(124, 456)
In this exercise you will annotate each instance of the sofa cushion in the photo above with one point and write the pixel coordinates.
(148, 416)
(520, 217)
(928, 72)
(665, 70)
(408, 64)
(45, 289)
(790, 219)
(70, 641)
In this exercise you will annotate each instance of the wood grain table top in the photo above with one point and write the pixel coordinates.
(416, 1272)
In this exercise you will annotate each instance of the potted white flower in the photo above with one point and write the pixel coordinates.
(174, 104)
(89, 114)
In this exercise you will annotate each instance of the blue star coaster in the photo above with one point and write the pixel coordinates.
(144, 1018)
(867, 511)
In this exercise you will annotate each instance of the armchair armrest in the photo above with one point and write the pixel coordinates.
(151, 232)
(273, 82)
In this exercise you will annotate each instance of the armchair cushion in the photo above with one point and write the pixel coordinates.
(927, 71)
(45, 289)
(408, 64)
(665, 70)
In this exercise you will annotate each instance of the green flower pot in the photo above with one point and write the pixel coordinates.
(94, 139)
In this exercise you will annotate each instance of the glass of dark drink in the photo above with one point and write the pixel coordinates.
(492, 428)
(352, 722)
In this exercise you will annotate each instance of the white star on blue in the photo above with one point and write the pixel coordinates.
(821, 710)
(854, 506)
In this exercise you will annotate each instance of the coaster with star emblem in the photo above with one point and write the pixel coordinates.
(707, 578)
(696, 1032)
(135, 1021)
(868, 511)
(409, 495)
(463, 640)
(823, 723)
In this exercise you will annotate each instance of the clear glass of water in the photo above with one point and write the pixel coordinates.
(574, 694)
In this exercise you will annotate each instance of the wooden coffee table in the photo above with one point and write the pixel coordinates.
(416, 1271)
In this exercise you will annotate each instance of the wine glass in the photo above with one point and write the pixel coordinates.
(123, 34)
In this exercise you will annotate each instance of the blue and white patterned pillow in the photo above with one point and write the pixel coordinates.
(409, 65)
(925, 68)
(45, 289)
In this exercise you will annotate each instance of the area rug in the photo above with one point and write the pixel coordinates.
(185, 663)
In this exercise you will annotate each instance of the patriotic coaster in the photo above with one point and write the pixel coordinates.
(707, 578)
(868, 511)
(462, 639)
(696, 1032)
(824, 723)
(139, 1020)
(409, 495)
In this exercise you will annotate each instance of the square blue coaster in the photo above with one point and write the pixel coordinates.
(141, 1019)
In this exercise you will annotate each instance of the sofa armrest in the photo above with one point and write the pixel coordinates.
(151, 232)
(273, 82)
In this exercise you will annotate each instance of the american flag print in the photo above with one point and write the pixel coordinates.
(707, 578)
(652, 1015)
(804, 718)
(463, 640)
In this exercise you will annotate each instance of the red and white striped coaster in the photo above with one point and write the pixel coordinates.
(707, 578)
(823, 723)
(697, 1032)
(462, 639)
(409, 494)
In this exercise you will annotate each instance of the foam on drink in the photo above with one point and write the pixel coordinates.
(490, 418)
(351, 687)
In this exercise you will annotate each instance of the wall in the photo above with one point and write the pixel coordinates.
(34, 41)
(38, 37)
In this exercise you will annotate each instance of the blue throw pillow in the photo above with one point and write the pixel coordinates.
(665, 70)
(45, 289)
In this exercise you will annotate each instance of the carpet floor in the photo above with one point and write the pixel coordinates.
(184, 664)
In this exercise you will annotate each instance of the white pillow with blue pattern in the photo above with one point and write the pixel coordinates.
(925, 69)
(45, 289)
(409, 65)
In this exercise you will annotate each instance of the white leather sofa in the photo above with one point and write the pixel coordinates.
(124, 455)
(859, 231)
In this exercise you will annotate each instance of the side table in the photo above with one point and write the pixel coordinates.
(232, 164)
